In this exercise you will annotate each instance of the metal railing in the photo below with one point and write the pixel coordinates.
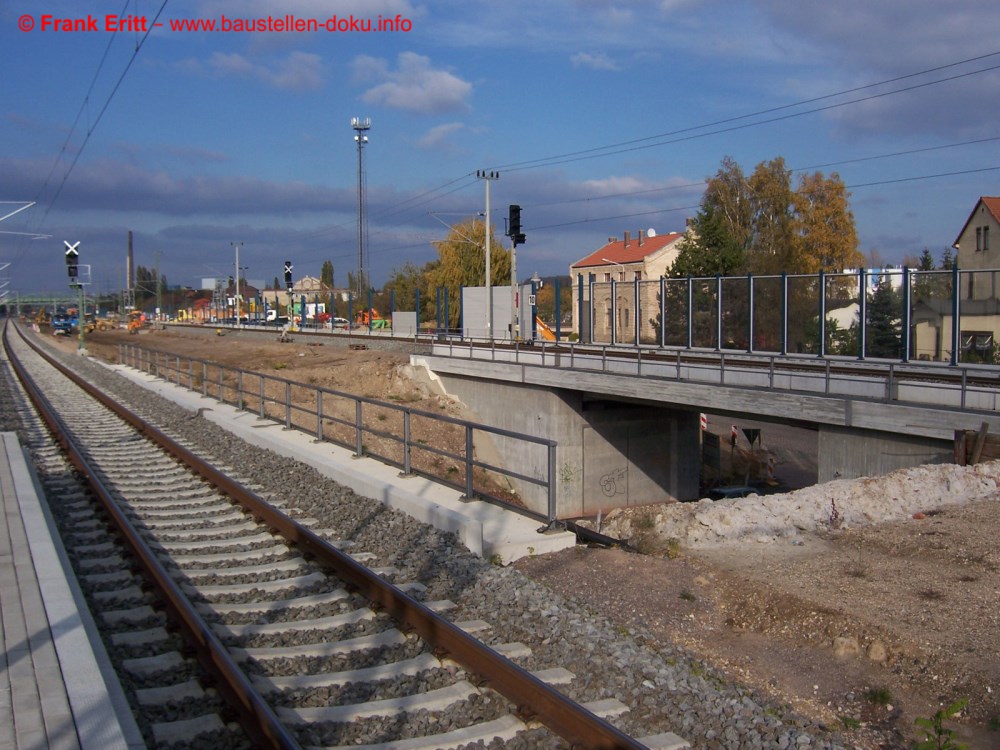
(396, 434)
(966, 387)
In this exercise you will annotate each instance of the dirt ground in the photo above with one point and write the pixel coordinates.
(863, 630)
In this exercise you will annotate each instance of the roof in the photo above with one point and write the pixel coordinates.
(617, 252)
(992, 204)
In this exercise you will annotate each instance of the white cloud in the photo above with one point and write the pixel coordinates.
(414, 85)
(598, 61)
(437, 136)
(297, 71)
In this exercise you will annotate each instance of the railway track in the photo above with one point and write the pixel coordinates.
(233, 624)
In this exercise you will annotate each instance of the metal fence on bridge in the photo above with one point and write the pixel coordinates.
(944, 315)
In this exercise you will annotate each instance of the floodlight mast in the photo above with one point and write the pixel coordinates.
(361, 127)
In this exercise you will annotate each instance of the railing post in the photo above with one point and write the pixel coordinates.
(222, 392)
(469, 488)
(888, 382)
(288, 405)
(190, 374)
(552, 483)
(204, 379)
(358, 432)
(239, 390)
(750, 313)
(406, 442)
(261, 396)
(319, 416)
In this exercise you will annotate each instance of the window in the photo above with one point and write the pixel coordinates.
(979, 239)
(986, 239)
(638, 275)
(977, 346)
(621, 275)
(607, 276)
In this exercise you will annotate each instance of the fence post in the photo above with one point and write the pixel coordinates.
(288, 405)
(906, 314)
(862, 312)
(750, 313)
(956, 323)
(718, 312)
(822, 313)
(204, 378)
(239, 390)
(261, 396)
(319, 416)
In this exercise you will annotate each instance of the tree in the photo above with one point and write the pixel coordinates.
(824, 225)
(545, 300)
(884, 328)
(461, 262)
(404, 284)
(326, 274)
(773, 247)
(275, 284)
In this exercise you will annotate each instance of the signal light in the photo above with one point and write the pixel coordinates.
(288, 274)
(514, 225)
(72, 259)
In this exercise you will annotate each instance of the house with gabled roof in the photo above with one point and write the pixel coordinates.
(977, 257)
(615, 268)
(976, 251)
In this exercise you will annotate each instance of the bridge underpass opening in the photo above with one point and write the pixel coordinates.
(767, 456)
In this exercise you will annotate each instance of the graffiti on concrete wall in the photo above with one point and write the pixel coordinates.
(613, 483)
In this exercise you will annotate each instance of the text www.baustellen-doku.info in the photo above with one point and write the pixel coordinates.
(350, 24)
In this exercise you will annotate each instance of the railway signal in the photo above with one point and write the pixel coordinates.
(288, 275)
(72, 261)
(514, 225)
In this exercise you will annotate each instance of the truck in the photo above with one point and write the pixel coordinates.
(62, 324)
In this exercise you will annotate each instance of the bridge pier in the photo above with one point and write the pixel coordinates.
(848, 452)
(611, 454)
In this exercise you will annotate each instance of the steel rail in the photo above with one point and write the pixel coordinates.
(533, 698)
(254, 714)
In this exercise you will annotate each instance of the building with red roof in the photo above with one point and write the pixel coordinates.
(975, 250)
(622, 271)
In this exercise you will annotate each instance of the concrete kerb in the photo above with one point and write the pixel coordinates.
(483, 528)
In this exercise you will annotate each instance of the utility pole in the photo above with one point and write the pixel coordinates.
(482, 174)
(361, 128)
(236, 301)
(159, 289)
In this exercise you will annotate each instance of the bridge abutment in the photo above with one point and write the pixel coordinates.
(610, 454)
(848, 453)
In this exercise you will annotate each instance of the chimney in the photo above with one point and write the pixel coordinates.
(626, 239)
(639, 235)
(612, 239)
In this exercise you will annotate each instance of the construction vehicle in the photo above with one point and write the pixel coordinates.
(136, 320)
(62, 324)
(544, 330)
(376, 321)
(43, 317)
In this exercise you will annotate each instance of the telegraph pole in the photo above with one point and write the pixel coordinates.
(482, 174)
(361, 128)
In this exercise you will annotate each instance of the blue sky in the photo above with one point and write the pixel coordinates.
(214, 138)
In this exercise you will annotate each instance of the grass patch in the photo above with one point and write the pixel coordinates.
(878, 696)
